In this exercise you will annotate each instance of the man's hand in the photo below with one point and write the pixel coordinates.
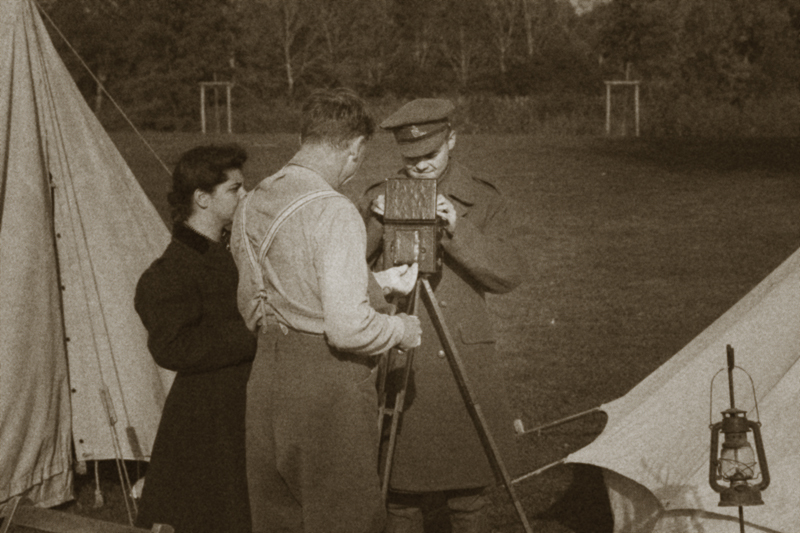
(378, 205)
(413, 332)
(447, 212)
(399, 279)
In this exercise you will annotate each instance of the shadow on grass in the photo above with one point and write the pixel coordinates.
(566, 499)
(780, 154)
(584, 507)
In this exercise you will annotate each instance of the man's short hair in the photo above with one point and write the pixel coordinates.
(335, 117)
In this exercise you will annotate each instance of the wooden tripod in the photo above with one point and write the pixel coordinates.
(423, 288)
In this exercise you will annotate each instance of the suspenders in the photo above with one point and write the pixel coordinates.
(257, 259)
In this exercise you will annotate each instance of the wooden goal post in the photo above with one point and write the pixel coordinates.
(630, 83)
(215, 85)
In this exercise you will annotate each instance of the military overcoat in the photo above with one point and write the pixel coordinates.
(438, 447)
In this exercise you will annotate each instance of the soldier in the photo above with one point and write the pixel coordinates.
(438, 447)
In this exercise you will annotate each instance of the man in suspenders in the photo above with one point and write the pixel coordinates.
(312, 434)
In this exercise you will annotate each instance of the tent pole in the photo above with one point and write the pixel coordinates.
(538, 471)
(539, 429)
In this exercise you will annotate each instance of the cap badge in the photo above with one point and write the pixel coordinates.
(415, 131)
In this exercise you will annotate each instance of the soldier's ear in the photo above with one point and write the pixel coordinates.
(356, 149)
(357, 145)
(451, 139)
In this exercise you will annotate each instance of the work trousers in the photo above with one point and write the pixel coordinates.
(468, 511)
(312, 438)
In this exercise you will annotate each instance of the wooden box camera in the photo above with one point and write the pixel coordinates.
(411, 231)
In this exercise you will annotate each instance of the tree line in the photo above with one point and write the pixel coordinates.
(151, 54)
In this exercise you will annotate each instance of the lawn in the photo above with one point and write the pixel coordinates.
(634, 248)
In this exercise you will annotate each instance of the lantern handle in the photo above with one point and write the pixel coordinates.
(729, 369)
(753, 388)
(711, 398)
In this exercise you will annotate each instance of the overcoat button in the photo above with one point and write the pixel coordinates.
(442, 303)
(441, 353)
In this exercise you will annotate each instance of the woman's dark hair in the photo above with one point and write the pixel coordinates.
(202, 167)
(336, 117)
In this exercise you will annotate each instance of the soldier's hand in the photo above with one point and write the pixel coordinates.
(447, 212)
(399, 279)
(379, 205)
(413, 332)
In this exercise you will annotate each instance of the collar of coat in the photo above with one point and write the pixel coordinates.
(456, 182)
(184, 234)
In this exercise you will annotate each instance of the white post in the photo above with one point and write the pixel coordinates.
(228, 103)
(203, 107)
(216, 105)
(215, 85)
(636, 105)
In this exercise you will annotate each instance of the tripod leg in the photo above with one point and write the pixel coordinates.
(473, 407)
(384, 365)
(399, 402)
(397, 412)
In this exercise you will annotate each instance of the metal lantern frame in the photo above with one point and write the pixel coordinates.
(735, 426)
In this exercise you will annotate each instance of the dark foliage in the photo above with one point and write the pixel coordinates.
(724, 60)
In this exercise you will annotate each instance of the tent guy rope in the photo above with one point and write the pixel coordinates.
(101, 86)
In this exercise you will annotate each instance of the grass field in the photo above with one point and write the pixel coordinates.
(634, 248)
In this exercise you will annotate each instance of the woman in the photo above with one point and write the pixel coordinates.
(196, 480)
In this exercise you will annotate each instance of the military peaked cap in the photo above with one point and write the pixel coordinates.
(420, 126)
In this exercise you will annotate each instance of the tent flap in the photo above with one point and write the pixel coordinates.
(657, 437)
(76, 232)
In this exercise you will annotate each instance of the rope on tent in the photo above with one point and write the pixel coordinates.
(538, 471)
(104, 392)
(98, 492)
(111, 415)
(520, 430)
(101, 86)
(121, 469)
(105, 395)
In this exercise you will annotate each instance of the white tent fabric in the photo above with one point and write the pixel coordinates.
(655, 447)
(76, 232)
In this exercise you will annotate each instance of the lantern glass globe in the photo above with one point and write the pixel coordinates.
(737, 463)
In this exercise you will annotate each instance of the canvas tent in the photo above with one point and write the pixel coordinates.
(76, 232)
(655, 447)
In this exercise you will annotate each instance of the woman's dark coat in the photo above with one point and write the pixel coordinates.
(196, 480)
(438, 447)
